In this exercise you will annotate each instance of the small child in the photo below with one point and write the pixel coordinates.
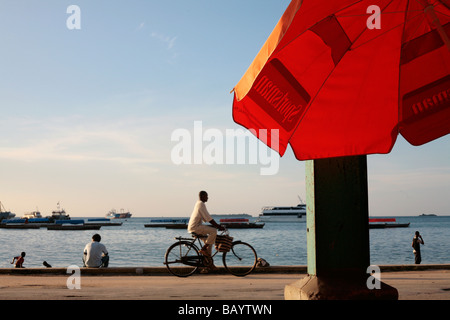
(20, 260)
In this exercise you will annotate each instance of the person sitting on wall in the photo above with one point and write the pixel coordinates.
(95, 254)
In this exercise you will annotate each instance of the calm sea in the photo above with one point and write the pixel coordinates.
(133, 245)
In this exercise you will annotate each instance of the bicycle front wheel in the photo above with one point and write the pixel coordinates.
(240, 260)
(182, 259)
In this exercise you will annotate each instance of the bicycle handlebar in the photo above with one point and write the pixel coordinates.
(225, 230)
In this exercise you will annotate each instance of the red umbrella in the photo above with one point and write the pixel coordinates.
(345, 77)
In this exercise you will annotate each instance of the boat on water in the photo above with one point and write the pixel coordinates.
(177, 226)
(113, 214)
(59, 214)
(42, 222)
(25, 223)
(72, 225)
(284, 214)
(382, 223)
(240, 224)
(168, 223)
(19, 226)
(104, 222)
(16, 223)
(4, 214)
(37, 223)
(32, 215)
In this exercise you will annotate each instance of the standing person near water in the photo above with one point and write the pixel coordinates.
(417, 241)
(20, 259)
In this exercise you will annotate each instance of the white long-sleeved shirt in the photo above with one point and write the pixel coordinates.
(199, 215)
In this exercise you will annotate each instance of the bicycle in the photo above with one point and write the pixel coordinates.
(183, 258)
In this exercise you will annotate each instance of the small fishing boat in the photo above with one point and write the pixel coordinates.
(72, 225)
(168, 223)
(240, 224)
(177, 226)
(24, 223)
(41, 222)
(103, 222)
(19, 226)
(59, 214)
(382, 223)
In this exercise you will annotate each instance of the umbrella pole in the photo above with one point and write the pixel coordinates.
(338, 233)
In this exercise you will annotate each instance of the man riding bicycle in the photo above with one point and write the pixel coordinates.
(199, 215)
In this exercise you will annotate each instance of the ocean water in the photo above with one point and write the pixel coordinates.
(133, 245)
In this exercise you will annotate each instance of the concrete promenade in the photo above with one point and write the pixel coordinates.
(424, 282)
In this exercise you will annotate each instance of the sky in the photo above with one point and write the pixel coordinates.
(90, 116)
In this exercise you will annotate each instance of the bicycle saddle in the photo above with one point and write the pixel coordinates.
(198, 235)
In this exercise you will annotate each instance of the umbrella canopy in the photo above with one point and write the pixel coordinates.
(345, 77)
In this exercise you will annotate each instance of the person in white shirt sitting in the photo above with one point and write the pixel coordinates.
(95, 254)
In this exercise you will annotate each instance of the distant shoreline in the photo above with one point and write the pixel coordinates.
(252, 216)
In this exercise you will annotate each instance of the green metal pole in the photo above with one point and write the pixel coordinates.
(337, 233)
(337, 215)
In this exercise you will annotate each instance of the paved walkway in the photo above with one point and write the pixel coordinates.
(432, 283)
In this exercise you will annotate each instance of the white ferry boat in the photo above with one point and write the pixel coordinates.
(32, 215)
(284, 214)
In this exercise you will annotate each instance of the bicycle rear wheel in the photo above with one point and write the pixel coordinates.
(182, 259)
(240, 260)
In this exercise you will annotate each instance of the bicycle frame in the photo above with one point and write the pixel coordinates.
(185, 251)
(195, 260)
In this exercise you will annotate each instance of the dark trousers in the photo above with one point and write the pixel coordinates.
(105, 262)
(417, 257)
